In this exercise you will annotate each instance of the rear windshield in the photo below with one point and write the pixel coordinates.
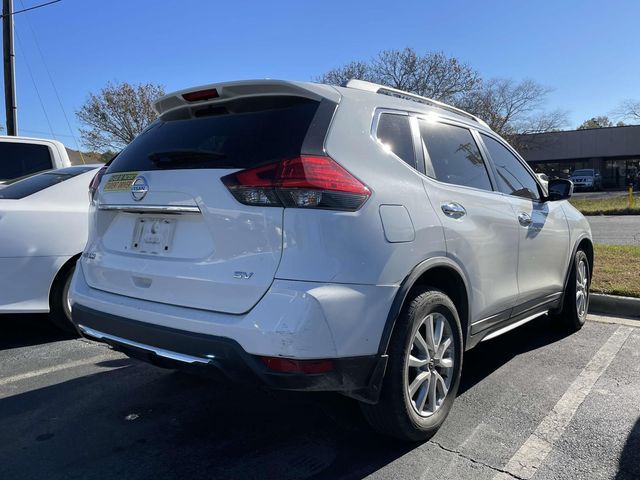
(241, 134)
(579, 173)
(20, 159)
(35, 183)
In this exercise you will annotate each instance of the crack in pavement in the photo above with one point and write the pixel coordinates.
(473, 460)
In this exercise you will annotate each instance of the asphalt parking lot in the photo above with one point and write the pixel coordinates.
(533, 403)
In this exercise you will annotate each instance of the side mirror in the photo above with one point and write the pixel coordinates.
(560, 189)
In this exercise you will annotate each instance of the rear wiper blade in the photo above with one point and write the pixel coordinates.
(184, 156)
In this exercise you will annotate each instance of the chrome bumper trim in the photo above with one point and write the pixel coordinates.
(180, 357)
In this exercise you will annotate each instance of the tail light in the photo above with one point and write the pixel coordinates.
(95, 183)
(301, 182)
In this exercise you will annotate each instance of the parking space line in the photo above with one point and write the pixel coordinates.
(55, 368)
(530, 456)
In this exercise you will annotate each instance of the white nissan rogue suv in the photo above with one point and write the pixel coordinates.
(356, 239)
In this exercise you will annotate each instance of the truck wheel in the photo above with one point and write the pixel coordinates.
(423, 373)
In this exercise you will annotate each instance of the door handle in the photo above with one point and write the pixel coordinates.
(453, 210)
(524, 219)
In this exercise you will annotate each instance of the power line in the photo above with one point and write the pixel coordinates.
(44, 110)
(32, 8)
(44, 62)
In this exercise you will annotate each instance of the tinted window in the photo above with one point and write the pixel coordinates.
(20, 159)
(452, 155)
(394, 132)
(583, 173)
(513, 178)
(36, 183)
(241, 134)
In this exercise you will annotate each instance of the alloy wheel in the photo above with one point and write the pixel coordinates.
(429, 367)
(582, 288)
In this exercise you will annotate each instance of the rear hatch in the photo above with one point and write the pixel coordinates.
(166, 228)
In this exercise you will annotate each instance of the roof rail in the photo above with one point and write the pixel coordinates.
(394, 92)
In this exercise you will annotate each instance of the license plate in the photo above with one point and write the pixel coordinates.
(153, 235)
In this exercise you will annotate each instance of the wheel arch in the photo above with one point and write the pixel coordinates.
(441, 273)
(62, 271)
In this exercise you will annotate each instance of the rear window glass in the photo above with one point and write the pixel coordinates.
(238, 135)
(38, 182)
(20, 159)
(394, 132)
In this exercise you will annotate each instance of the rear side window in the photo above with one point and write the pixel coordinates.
(242, 134)
(452, 155)
(394, 132)
(38, 182)
(20, 159)
(512, 177)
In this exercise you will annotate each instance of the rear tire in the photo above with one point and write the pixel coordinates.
(423, 373)
(576, 295)
(60, 307)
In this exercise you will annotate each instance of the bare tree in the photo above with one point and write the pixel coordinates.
(514, 108)
(433, 74)
(509, 107)
(117, 114)
(628, 110)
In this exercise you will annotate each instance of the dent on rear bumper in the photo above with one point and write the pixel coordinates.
(293, 319)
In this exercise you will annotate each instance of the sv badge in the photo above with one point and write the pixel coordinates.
(242, 275)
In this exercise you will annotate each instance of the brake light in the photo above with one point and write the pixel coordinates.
(302, 182)
(288, 365)
(201, 95)
(95, 183)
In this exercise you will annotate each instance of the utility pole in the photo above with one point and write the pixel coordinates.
(9, 68)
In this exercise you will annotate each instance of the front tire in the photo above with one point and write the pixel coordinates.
(576, 295)
(423, 373)
(60, 306)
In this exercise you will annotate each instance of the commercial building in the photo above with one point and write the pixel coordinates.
(614, 151)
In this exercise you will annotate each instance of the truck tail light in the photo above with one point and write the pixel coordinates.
(302, 182)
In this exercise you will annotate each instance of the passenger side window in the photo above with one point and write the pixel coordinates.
(394, 132)
(452, 155)
(512, 177)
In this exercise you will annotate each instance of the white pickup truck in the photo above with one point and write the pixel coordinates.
(21, 156)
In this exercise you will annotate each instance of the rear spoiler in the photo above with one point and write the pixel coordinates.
(222, 92)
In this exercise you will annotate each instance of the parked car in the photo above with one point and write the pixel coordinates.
(586, 179)
(355, 239)
(43, 229)
(21, 156)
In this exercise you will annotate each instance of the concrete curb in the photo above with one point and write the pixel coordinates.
(614, 305)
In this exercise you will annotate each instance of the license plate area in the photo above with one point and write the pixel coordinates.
(153, 235)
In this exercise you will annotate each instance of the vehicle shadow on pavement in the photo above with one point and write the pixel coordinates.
(629, 464)
(133, 420)
(23, 330)
(494, 353)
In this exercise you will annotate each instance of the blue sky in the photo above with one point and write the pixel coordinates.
(588, 51)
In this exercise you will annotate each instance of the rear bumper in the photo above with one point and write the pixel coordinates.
(294, 320)
(168, 347)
